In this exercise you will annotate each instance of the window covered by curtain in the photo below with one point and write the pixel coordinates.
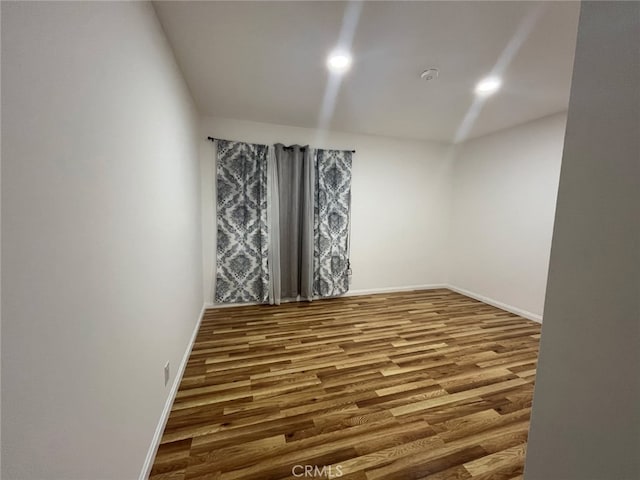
(283, 217)
(332, 222)
(242, 239)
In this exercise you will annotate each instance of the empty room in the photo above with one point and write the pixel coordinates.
(264, 240)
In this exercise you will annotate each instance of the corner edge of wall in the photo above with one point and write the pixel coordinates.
(498, 304)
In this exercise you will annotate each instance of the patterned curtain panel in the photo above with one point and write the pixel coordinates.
(331, 222)
(241, 269)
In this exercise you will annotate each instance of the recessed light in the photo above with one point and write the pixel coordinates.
(487, 86)
(339, 62)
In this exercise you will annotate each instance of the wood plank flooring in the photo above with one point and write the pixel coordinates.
(413, 385)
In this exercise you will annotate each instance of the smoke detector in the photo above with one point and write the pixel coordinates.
(430, 74)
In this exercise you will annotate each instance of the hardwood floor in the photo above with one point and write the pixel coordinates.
(425, 384)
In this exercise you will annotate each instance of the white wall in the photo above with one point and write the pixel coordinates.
(0, 259)
(101, 247)
(504, 194)
(400, 202)
(586, 408)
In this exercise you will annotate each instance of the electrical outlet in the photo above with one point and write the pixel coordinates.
(166, 373)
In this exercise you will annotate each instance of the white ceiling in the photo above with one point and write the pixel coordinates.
(265, 61)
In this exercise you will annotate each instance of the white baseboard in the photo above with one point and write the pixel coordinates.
(504, 306)
(350, 293)
(157, 436)
(230, 305)
(354, 293)
(371, 291)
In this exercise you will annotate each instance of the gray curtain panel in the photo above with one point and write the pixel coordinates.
(295, 196)
(332, 222)
(273, 225)
(242, 244)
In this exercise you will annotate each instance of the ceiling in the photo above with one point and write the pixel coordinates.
(265, 61)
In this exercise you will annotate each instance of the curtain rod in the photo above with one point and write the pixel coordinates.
(214, 139)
